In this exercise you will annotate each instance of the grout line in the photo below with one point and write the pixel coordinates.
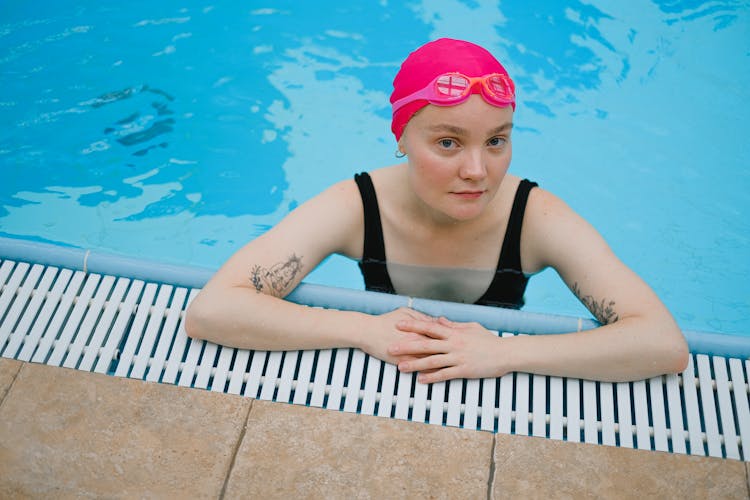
(235, 451)
(12, 383)
(491, 480)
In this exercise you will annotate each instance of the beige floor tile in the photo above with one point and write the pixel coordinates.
(8, 370)
(543, 468)
(299, 452)
(67, 433)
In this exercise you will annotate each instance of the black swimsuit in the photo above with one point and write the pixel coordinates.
(507, 286)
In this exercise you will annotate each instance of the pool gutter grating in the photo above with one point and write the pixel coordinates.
(132, 328)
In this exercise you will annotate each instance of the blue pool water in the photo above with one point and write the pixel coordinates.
(177, 131)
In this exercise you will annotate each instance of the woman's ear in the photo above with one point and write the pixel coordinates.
(401, 151)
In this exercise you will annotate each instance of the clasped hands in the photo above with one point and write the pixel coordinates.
(440, 349)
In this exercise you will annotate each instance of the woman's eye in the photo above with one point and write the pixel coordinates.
(497, 142)
(446, 143)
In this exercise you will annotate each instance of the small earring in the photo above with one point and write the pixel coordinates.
(400, 154)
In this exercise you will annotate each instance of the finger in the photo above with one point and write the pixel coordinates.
(434, 376)
(455, 324)
(446, 322)
(429, 328)
(421, 347)
(416, 315)
(458, 325)
(403, 359)
(419, 316)
(427, 363)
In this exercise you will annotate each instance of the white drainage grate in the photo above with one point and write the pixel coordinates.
(131, 328)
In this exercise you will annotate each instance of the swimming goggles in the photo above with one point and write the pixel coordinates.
(449, 89)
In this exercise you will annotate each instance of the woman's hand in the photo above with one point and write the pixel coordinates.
(442, 350)
(385, 332)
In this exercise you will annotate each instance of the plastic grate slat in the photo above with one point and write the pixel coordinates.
(713, 439)
(556, 411)
(607, 405)
(692, 409)
(385, 406)
(320, 381)
(340, 365)
(539, 406)
(351, 402)
(728, 430)
(624, 419)
(573, 410)
(403, 396)
(453, 415)
(656, 392)
(674, 403)
(284, 394)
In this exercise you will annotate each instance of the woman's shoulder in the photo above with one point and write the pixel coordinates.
(549, 222)
(388, 182)
(389, 174)
(382, 176)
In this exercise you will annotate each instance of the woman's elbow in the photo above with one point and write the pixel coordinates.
(681, 358)
(676, 353)
(196, 320)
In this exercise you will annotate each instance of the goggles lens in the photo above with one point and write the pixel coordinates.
(452, 85)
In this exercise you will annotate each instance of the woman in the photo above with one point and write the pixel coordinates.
(453, 225)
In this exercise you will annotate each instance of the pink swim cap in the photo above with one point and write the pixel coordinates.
(434, 58)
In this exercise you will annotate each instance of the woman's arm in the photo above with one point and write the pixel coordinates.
(638, 337)
(243, 304)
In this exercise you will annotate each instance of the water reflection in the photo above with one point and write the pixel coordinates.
(723, 13)
(138, 128)
(455, 284)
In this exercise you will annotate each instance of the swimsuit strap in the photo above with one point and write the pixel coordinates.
(510, 255)
(373, 265)
(508, 285)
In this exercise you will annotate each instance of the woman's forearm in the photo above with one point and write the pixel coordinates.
(241, 317)
(629, 349)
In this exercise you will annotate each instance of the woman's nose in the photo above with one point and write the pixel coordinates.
(473, 166)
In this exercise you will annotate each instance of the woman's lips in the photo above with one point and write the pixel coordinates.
(468, 195)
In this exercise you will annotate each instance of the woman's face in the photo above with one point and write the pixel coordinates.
(458, 156)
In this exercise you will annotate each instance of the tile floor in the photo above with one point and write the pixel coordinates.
(73, 434)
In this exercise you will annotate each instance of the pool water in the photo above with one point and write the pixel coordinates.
(178, 131)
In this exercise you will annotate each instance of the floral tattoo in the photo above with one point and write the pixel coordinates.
(275, 280)
(603, 310)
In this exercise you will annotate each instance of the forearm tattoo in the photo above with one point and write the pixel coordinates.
(276, 279)
(603, 310)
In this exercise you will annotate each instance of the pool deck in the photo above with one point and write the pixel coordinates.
(67, 433)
